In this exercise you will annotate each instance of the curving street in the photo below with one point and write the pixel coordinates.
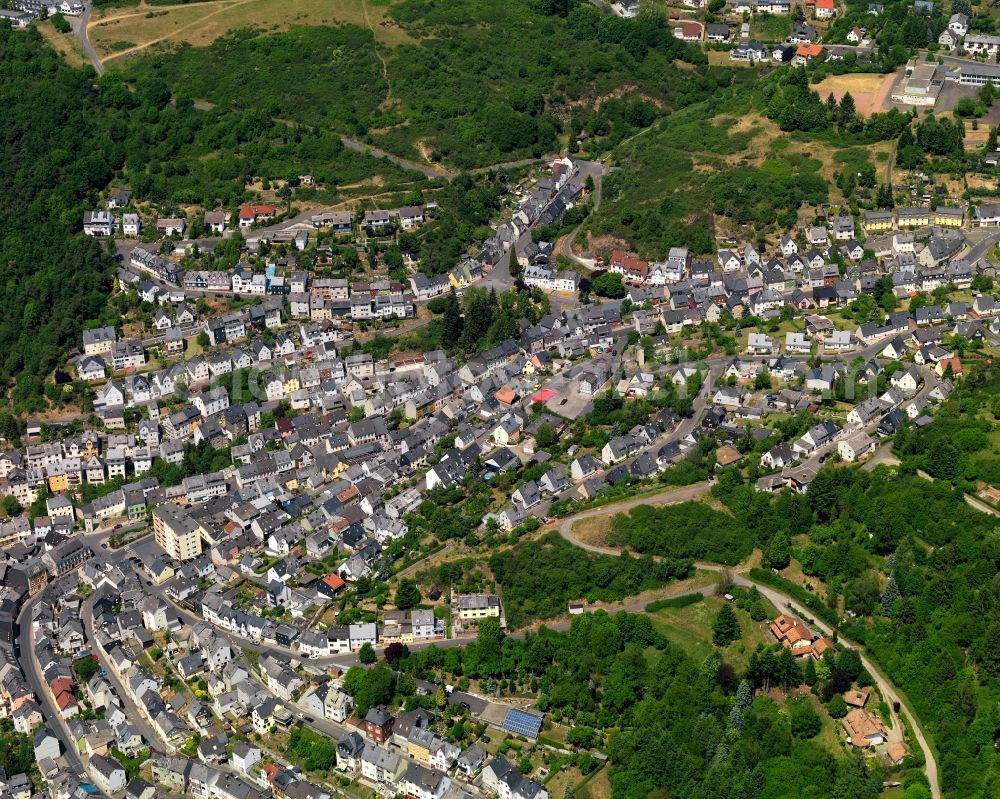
(80, 29)
(780, 600)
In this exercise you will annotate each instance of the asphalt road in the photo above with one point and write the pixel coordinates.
(565, 528)
(596, 170)
(33, 676)
(783, 601)
(135, 716)
(778, 599)
(885, 687)
(985, 240)
(80, 29)
(667, 496)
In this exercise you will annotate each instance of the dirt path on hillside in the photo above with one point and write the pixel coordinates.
(144, 8)
(388, 101)
(173, 33)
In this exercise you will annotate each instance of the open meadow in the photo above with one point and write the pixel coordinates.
(200, 24)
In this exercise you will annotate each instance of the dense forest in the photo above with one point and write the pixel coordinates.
(56, 156)
(333, 79)
(917, 567)
(960, 447)
(687, 530)
(539, 577)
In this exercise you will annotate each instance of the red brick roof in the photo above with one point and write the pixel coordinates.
(809, 50)
(250, 211)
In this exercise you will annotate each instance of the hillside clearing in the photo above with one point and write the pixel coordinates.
(66, 44)
(202, 23)
(867, 89)
(690, 628)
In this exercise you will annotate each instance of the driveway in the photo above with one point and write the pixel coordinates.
(80, 29)
(886, 688)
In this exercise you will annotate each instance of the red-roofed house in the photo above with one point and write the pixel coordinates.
(791, 633)
(863, 729)
(688, 32)
(636, 270)
(506, 395)
(330, 585)
(538, 362)
(806, 52)
(62, 693)
(824, 9)
(630, 267)
(942, 366)
(67, 704)
(269, 771)
(250, 213)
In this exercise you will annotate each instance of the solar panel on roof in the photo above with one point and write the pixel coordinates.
(523, 723)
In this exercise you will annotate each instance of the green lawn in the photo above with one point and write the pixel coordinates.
(831, 737)
(770, 28)
(598, 786)
(690, 628)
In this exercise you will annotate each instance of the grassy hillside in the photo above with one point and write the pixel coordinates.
(467, 82)
(749, 163)
(671, 183)
(201, 23)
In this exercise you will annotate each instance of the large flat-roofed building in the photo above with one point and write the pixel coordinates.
(920, 85)
(176, 533)
(971, 73)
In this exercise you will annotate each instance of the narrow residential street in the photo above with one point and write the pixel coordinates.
(80, 30)
(136, 717)
(36, 681)
(596, 170)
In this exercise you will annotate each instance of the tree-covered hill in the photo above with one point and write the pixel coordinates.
(481, 82)
(66, 137)
(55, 158)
